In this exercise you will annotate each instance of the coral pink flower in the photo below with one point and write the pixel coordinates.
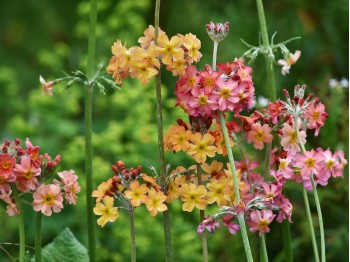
(11, 206)
(225, 94)
(201, 103)
(208, 80)
(309, 163)
(188, 81)
(26, 174)
(70, 185)
(316, 116)
(289, 139)
(48, 198)
(259, 134)
(7, 164)
(285, 169)
(260, 220)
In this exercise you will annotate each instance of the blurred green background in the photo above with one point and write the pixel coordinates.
(49, 37)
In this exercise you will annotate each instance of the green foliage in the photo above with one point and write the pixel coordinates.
(65, 247)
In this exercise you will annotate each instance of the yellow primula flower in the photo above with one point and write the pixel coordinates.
(136, 193)
(193, 196)
(219, 191)
(106, 210)
(201, 147)
(155, 202)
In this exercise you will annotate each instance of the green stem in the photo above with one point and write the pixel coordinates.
(132, 234)
(287, 241)
(38, 237)
(269, 63)
(21, 230)
(201, 218)
(162, 167)
(263, 251)
(306, 200)
(320, 219)
(88, 132)
(246, 244)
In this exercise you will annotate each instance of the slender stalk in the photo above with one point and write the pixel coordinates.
(263, 251)
(246, 244)
(201, 217)
(306, 200)
(132, 234)
(269, 63)
(21, 230)
(162, 167)
(287, 241)
(38, 237)
(88, 131)
(320, 219)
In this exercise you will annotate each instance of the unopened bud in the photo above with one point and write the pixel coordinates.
(217, 32)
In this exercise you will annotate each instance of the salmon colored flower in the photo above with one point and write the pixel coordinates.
(192, 44)
(193, 196)
(26, 174)
(11, 206)
(70, 185)
(149, 38)
(136, 193)
(48, 198)
(259, 135)
(201, 147)
(179, 138)
(289, 139)
(7, 163)
(214, 170)
(106, 210)
(104, 189)
(316, 116)
(155, 202)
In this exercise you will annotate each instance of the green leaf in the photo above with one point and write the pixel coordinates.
(65, 247)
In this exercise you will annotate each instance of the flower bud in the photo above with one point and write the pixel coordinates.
(217, 32)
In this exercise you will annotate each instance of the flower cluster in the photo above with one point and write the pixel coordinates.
(130, 188)
(143, 62)
(25, 170)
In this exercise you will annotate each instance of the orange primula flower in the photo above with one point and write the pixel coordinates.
(179, 138)
(219, 191)
(201, 147)
(214, 170)
(170, 49)
(192, 44)
(193, 196)
(149, 38)
(155, 202)
(137, 193)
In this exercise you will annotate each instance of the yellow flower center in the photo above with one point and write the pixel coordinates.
(260, 136)
(270, 195)
(28, 175)
(5, 165)
(293, 137)
(310, 162)
(263, 223)
(282, 165)
(49, 199)
(202, 100)
(330, 164)
(316, 116)
(209, 82)
(191, 81)
(225, 93)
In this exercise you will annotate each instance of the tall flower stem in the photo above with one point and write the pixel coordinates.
(132, 234)
(287, 241)
(241, 221)
(307, 205)
(38, 237)
(21, 230)
(201, 217)
(269, 63)
(88, 131)
(162, 167)
(263, 251)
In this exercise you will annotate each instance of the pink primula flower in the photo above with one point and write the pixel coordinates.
(225, 94)
(260, 220)
(70, 185)
(259, 135)
(26, 174)
(227, 221)
(289, 139)
(316, 116)
(48, 198)
(309, 163)
(11, 206)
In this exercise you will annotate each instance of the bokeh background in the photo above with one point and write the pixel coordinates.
(50, 37)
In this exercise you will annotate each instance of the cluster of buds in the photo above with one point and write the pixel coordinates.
(124, 174)
(217, 32)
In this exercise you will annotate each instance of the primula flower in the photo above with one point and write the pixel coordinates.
(106, 210)
(149, 38)
(70, 185)
(7, 163)
(188, 81)
(208, 80)
(288, 61)
(201, 104)
(192, 44)
(316, 116)
(285, 169)
(179, 138)
(137, 193)
(26, 174)
(309, 163)
(260, 220)
(11, 206)
(289, 139)
(48, 198)
(259, 134)
(209, 224)
(227, 221)
(170, 49)
(218, 191)
(193, 196)
(214, 170)
(201, 147)
(104, 189)
(155, 202)
(47, 86)
(226, 96)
